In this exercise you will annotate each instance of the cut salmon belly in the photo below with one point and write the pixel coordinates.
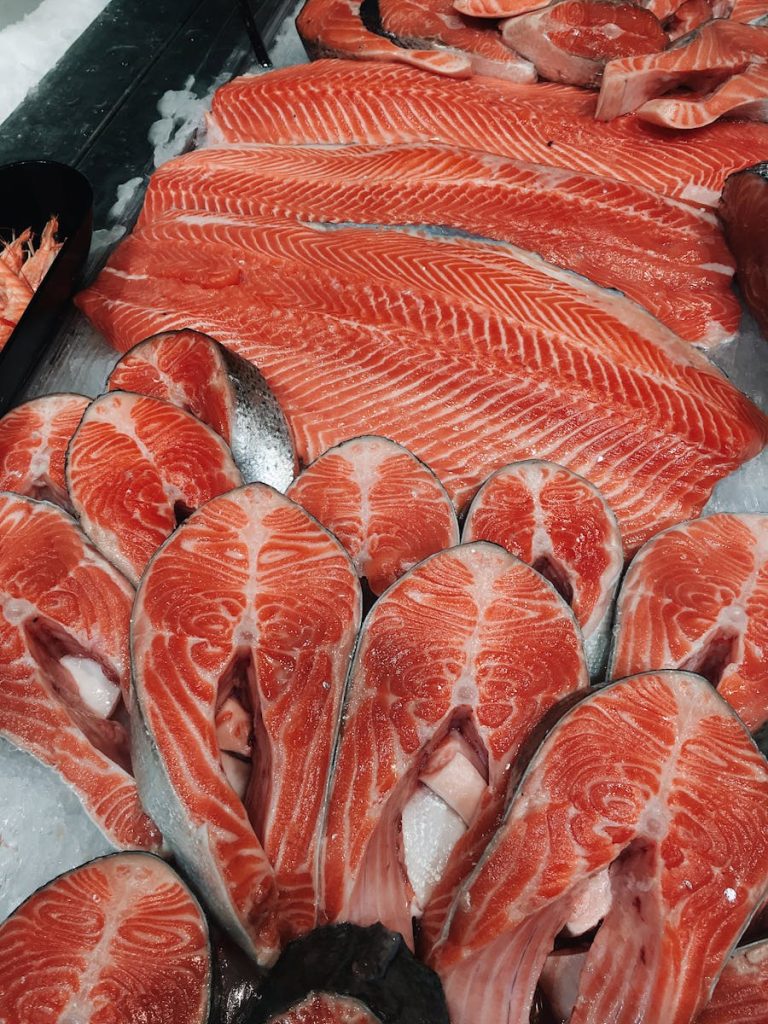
(741, 994)
(429, 22)
(344, 101)
(743, 212)
(723, 63)
(388, 509)
(239, 683)
(696, 597)
(694, 13)
(455, 666)
(334, 28)
(64, 617)
(561, 525)
(119, 939)
(136, 466)
(33, 442)
(655, 779)
(358, 369)
(228, 393)
(571, 41)
(497, 8)
(669, 257)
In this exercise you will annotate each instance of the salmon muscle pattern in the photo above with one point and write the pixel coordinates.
(386, 507)
(560, 524)
(239, 681)
(347, 101)
(64, 619)
(673, 258)
(696, 598)
(136, 467)
(33, 442)
(741, 995)
(119, 939)
(655, 781)
(456, 664)
(226, 392)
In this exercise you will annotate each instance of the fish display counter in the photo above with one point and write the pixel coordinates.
(384, 518)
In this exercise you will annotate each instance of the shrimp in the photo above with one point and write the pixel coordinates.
(15, 294)
(13, 252)
(37, 266)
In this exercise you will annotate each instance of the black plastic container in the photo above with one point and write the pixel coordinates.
(31, 191)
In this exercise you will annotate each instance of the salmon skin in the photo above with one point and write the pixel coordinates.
(673, 259)
(344, 101)
(443, 322)
(386, 507)
(430, 22)
(743, 212)
(334, 28)
(247, 664)
(64, 664)
(136, 466)
(33, 442)
(455, 665)
(228, 393)
(695, 598)
(617, 786)
(571, 41)
(741, 993)
(344, 974)
(121, 930)
(723, 63)
(560, 524)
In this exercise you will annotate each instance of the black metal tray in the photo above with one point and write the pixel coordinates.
(31, 191)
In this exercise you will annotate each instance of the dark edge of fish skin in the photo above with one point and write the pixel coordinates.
(372, 965)
(735, 243)
(236, 980)
(206, 1018)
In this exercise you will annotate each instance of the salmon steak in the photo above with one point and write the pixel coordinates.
(334, 28)
(560, 524)
(571, 41)
(741, 993)
(436, 22)
(403, 321)
(693, 14)
(388, 509)
(655, 781)
(455, 666)
(722, 64)
(345, 974)
(136, 467)
(239, 681)
(671, 258)
(553, 125)
(194, 372)
(33, 443)
(743, 212)
(119, 939)
(497, 8)
(696, 598)
(64, 664)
